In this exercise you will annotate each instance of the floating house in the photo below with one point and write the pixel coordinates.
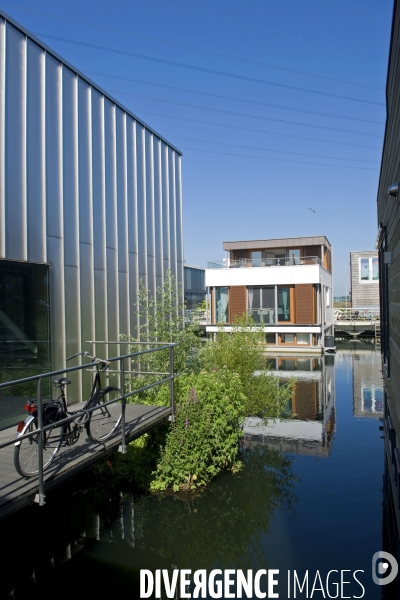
(284, 284)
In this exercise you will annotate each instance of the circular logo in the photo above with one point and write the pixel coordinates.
(387, 568)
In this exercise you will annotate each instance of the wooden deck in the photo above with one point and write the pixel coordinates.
(16, 491)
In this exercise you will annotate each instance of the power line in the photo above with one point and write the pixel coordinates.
(205, 70)
(301, 162)
(258, 28)
(222, 97)
(188, 47)
(273, 150)
(240, 114)
(288, 135)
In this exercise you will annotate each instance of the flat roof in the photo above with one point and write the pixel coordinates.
(62, 60)
(278, 243)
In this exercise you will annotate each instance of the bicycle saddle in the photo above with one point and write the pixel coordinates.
(61, 381)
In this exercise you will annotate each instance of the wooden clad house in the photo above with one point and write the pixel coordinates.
(286, 286)
(364, 273)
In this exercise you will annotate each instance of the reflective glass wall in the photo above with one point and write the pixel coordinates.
(24, 331)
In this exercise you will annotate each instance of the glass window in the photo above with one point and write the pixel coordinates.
(369, 269)
(303, 339)
(284, 313)
(364, 269)
(24, 334)
(188, 273)
(270, 338)
(367, 399)
(287, 364)
(294, 256)
(287, 338)
(375, 268)
(303, 364)
(256, 258)
(221, 304)
(261, 303)
(274, 257)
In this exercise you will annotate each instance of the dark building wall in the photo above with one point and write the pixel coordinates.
(389, 262)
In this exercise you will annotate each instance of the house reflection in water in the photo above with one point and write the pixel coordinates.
(367, 382)
(313, 406)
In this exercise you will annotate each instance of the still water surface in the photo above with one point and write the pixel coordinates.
(309, 496)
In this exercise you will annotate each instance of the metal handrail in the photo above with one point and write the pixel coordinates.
(40, 497)
(357, 314)
(288, 261)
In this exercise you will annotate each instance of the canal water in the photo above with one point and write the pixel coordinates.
(308, 500)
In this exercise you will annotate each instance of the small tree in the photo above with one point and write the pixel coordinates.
(162, 320)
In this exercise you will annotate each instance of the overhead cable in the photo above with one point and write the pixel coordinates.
(222, 97)
(206, 70)
(246, 115)
(188, 47)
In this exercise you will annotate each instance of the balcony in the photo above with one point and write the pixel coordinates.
(241, 263)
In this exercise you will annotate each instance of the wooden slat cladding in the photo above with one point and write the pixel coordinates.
(305, 403)
(237, 301)
(312, 251)
(327, 261)
(304, 303)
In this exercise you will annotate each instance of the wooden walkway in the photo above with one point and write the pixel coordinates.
(16, 491)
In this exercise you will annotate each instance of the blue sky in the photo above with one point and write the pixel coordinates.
(278, 107)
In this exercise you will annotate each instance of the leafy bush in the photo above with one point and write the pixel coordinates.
(242, 352)
(204, 438)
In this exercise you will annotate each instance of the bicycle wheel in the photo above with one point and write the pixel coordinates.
(26, 455)
(105, 420)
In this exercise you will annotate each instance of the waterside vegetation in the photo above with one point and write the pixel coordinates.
(214, 393)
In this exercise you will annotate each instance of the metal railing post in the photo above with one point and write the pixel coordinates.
(122, 447)
(40, 497)
(171, 382)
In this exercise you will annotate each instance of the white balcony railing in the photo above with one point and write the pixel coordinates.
(240, 263)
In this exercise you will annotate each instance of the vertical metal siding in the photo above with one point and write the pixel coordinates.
(15, 144)
(85, 187)
(35, 155)
(2, 137)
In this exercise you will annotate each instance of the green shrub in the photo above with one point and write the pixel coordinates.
(204, 438)
(242, 351)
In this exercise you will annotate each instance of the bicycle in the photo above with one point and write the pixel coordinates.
(100, 424)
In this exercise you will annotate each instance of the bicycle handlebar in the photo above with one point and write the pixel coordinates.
(101, 361)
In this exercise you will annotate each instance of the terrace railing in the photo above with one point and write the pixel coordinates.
(121, 361)
(241, 263)
(357, 314)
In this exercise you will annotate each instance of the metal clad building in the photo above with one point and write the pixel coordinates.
(85, 187)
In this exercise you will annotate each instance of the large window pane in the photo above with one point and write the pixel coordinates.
(256, 258)
(24, 334)
(261, 303)
(221, 304)
(364, 269)
(284, 313)
(375, 268)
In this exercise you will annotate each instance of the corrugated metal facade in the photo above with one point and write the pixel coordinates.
(85, 187)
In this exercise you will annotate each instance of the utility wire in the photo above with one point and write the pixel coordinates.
(188, 47)
(288, 135)
(301, 162)
(205, 70)
(247, 26)
(374, 162)
(222, 97)
(240, 114)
